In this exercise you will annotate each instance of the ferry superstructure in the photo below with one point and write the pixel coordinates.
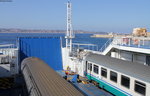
(121, 55)
(121, 66)
(134, 49)
(115, 71)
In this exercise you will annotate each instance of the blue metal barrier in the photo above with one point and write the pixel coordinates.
(48, 49)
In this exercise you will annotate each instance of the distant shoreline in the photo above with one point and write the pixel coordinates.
(44, 32)
(14, 30)
(101, 36)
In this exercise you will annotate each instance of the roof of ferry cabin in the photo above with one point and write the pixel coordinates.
(132, 69)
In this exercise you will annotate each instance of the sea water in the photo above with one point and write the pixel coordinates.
(11, 38)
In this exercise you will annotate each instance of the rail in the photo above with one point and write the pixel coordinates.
(138, 42)
(7, 45)
(7, 51)
(106, 45)
(92, 47)
(128, 41)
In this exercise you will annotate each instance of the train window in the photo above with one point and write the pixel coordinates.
(125, 81)
(104, 72)
(140, 87)
(96, 69)
(113, 76)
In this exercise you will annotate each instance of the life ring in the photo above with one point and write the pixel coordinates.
(126, 40)
(136, 41)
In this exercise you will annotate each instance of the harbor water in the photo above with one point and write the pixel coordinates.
(7, 38)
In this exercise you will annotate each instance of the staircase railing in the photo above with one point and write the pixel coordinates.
(106, 44)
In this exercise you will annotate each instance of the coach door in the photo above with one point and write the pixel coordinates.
(86, 68)
(148, 60)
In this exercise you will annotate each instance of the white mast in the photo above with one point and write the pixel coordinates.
(69, 33)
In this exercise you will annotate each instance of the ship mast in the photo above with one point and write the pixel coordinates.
(69, 33)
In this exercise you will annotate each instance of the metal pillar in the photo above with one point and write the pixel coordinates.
(69, 33)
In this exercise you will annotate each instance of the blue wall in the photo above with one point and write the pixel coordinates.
(47, 49)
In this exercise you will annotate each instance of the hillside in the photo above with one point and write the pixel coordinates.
(14, 30)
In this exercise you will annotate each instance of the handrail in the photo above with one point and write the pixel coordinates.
(106, 45)
(92, 47)
(144, 42)
(6, 45)
(139, 42)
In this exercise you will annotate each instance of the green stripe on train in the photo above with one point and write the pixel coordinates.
(107, 87)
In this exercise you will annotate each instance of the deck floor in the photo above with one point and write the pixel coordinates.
(88, 89)
(92, 90)
(5, 70)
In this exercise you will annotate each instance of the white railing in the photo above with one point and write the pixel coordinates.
(129, 41)
(7, 52)
(139, 42)
(106, 45)
(7, 45)
(92, 47)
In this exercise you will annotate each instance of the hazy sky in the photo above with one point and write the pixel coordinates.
(92, 15)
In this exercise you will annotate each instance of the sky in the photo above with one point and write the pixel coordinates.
(119, 16)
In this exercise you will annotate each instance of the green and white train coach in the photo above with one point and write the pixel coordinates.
(121, 78)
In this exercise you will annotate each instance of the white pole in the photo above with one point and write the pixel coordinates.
(69, 33)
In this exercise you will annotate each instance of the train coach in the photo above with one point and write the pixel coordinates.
(121, 78)
(41, 80)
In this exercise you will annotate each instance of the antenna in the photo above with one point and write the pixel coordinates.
(69, 33)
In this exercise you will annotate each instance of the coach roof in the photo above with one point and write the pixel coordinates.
(132, 69)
